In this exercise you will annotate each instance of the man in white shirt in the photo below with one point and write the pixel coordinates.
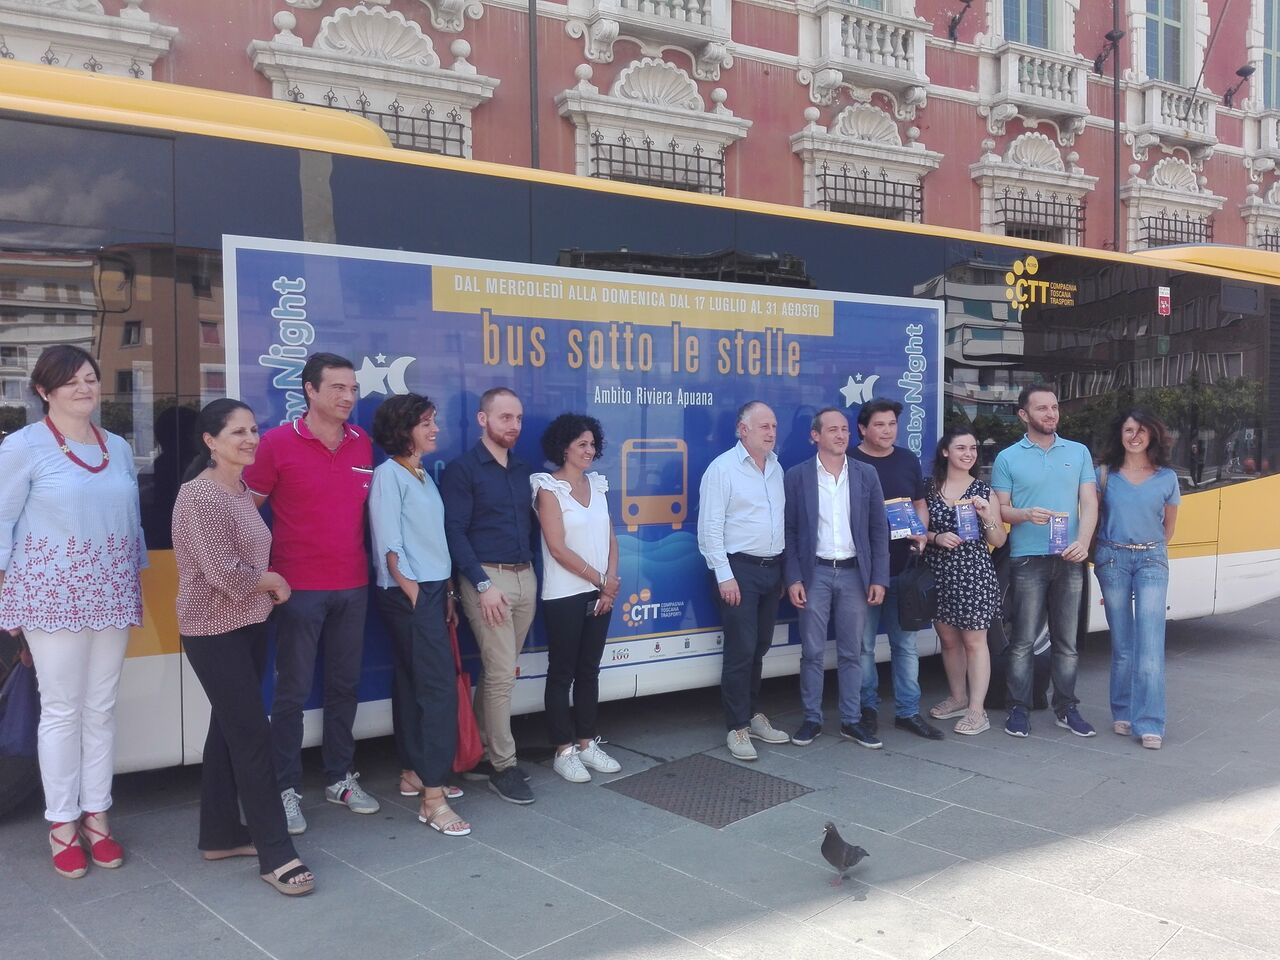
(837, 567)
(740, 533)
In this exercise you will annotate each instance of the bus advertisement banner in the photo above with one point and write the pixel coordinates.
(663, 363)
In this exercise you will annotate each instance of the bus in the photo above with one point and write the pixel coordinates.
(200, 244)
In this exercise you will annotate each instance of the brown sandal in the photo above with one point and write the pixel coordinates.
(411, 786)
(295, 882)
(972, 723)
(948, 708)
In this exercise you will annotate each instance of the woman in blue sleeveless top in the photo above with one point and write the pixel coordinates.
(1139, 507)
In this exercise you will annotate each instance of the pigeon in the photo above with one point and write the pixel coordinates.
(839, 854)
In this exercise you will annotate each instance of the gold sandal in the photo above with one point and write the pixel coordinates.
(973, 723)
(443, 819)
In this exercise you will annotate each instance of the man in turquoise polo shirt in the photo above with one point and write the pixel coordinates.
(1041, 481)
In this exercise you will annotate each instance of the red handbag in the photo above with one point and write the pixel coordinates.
(470, 750)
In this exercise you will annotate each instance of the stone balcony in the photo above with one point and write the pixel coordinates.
(868, 50)
(1039, 85)
(699, 27)
(1173, 116)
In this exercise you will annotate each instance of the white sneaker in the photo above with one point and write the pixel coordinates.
(740, 745)
(569, 766)
(762, 729)
(597, 759)
(293, 817)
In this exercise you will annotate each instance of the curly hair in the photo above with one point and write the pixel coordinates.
(1158, 449)
(394, 420)
(565, 429)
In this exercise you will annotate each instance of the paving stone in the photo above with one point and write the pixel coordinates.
(621, 938)
(983, 943)
(504, 903)
(1188, 944)
(871, 804)
(1199, 851)
(892, 925)
(1018, 848)
(893, 863)
(1052, 916)
(160, 921)
(1042, 808)
(1235, 911)
(38, 933)
(772, 937)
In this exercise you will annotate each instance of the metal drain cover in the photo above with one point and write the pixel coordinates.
(707, 789)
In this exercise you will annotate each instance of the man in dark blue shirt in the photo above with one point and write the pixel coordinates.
(900, 476)
(488, 521)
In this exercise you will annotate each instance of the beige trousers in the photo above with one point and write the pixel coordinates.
(499, 648)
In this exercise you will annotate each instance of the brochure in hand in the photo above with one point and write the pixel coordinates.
(967, 526)
(1058, 533)
(903, 520)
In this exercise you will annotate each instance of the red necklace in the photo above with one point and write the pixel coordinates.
(62, 444)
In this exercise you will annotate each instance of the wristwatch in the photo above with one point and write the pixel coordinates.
(483, 585)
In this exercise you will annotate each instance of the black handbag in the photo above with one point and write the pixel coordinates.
(917, 595)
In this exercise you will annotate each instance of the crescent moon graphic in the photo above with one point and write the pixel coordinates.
(869, 385)
(395, 374)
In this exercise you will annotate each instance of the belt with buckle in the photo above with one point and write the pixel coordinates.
(753, 559)
(511, 567)
(1154, 544)
(837, 564)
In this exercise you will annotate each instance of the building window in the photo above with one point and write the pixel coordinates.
(421, 130)
(124, 383)
(210, 335)
(13, 356)
(1165, 229)
(131, 336)
(859, 192)
(871, 4)
(1027, 21)
(1271, 54)
(1051, 218)
(1164, 40)
(645, 162)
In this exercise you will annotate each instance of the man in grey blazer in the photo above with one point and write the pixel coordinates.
(836, 565)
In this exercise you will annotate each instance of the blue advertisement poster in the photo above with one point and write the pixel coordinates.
(664, 364)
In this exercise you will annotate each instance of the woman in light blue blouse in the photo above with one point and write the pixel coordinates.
(406, 518)
(1139, 507)
(71, 546)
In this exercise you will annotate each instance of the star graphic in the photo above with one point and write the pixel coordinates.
(371, 379)
(380, 360)
(850, 391)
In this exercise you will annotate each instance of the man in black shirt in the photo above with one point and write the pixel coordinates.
(900, 476)
(488, 522)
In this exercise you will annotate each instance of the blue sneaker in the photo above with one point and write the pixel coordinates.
(1018, 724)
(808, 732)
(1070, 719)
(859, 734)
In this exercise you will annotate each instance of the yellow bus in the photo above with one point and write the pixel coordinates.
(134, 214)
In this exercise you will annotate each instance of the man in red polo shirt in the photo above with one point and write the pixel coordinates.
(316, 473)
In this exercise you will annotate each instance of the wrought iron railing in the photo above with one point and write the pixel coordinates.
(419, 130)
(1050, 218)
(644, 162)
(1166, 229)
(859, 192)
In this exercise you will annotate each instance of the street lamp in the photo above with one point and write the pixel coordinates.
(1244, 73)
(1112, 49)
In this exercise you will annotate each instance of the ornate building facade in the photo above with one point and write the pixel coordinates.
(985, 114)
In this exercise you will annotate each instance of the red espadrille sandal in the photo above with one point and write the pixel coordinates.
(104, 850)
(68, 855)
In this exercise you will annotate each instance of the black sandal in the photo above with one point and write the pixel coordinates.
(286, 884)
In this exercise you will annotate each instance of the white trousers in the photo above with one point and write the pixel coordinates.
(79, 675)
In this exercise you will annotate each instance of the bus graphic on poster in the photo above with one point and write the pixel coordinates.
(663, 363)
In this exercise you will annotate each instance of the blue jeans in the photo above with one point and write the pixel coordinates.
(832, 597)
(1041, 585)
(1135, 586)
(905, 660)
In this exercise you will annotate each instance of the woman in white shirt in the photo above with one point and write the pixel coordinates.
(579, 585)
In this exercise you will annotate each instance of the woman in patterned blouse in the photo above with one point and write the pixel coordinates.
(71, 547)
(225, 594)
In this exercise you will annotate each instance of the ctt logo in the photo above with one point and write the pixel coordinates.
(1021, 291)
(638, 608)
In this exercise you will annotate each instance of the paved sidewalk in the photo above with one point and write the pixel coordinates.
(983, 848)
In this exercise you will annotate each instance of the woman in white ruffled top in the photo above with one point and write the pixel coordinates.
(579, 585)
